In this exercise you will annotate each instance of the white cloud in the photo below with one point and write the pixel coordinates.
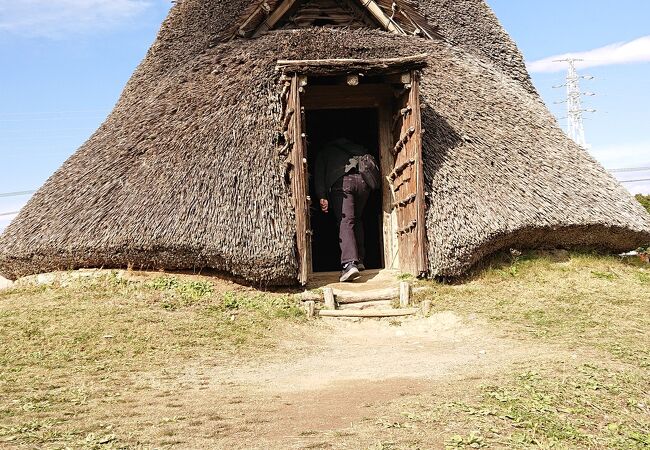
(58, 17)
(635, 51)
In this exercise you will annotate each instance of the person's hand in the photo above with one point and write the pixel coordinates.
(324, 205)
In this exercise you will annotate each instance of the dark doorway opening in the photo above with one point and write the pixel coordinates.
(360, 126)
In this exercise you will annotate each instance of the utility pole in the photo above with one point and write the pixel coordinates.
(576, 128)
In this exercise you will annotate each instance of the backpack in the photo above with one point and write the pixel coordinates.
(369, 170)
(368, 167)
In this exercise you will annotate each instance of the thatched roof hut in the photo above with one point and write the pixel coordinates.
(202, 162)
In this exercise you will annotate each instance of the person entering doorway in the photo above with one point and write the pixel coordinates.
(341, 189)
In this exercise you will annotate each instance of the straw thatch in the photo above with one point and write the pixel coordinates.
(185, 173)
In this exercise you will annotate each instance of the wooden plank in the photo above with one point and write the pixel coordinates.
(342, 96)
(408, 178)
(377, 304)
(299, 183)
(379, 313)
(387, 162)
(380, 66)
(422, 263)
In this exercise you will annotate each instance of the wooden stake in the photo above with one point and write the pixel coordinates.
(404, 294)
(426, 308)
(330, 303)
(310, 309)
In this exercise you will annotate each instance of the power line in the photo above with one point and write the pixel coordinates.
(636, 181)
(9, 213)
(630, 169)
(16, 194)
(55, 113)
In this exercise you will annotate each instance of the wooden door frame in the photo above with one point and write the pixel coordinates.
(370, 96)
(298, 96)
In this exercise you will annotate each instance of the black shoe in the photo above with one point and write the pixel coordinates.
(349, 273)
(361, 267)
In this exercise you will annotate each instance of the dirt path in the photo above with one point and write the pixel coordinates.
(320, 384)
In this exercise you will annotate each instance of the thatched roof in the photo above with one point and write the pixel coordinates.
(185, 172)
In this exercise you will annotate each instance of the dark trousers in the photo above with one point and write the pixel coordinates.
(348, 199)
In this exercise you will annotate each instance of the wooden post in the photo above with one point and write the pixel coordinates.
(353, 80)
(330, 303)
(426, 308)
(404, 294)
(310, 309)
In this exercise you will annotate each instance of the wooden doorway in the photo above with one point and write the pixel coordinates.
(391, 88)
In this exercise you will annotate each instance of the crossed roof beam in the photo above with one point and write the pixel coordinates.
(265, 17)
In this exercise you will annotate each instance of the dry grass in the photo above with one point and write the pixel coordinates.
(595, 306)
(73, 356)
(66, 349)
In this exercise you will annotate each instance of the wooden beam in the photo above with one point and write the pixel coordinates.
(342, 96)
(275, 17)
(369, 313)
(324, 67)
(376, 12)
(345, 297)
(264, 6)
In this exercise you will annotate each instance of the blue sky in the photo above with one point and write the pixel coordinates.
(65, 62)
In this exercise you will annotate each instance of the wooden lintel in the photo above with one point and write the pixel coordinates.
(324, 67)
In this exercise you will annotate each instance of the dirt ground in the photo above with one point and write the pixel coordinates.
(343, 374)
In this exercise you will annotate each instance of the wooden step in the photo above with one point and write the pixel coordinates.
(378, 304)
(369, 313)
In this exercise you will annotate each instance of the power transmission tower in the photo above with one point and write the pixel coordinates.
(576, 128)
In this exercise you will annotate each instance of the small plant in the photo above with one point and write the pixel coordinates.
(180, 293)
(405, 276)
(604, 275)
(644, 200)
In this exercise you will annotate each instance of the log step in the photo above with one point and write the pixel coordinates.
(376, 313)
(377, 304)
